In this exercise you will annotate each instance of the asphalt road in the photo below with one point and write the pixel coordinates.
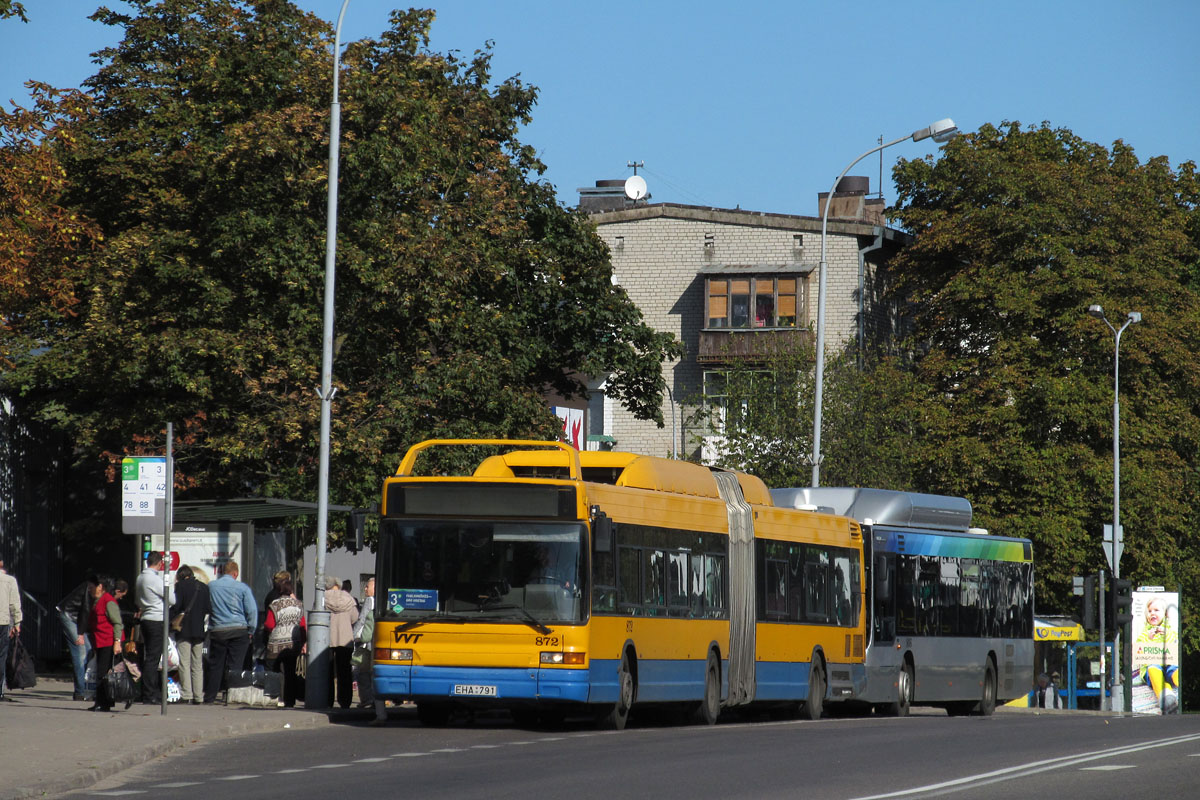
(1009, 755)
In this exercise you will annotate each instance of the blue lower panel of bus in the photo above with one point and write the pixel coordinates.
(781, 680)
(393, 681)
(657, 681)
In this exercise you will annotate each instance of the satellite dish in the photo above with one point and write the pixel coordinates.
(635, 188)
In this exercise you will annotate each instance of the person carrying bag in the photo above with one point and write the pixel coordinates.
(107, 630)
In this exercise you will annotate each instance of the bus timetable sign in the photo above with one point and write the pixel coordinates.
(143, 494)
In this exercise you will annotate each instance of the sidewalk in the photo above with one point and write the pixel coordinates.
(51, 744)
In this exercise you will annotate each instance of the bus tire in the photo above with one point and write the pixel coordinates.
(987, 703)
(707, 711)
(435, 715)
(905, 683)
(614, 719)
(814, 705)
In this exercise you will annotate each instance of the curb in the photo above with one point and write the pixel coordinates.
(81, 779)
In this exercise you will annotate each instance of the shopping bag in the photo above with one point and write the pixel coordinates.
(172, 655)
(19, 671)
(118, 683)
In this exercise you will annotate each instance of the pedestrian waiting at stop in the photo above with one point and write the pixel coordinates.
(233, 617)
(286, 640)
(73, 613)
(1046, 693)
(343, 613)
(187, 621)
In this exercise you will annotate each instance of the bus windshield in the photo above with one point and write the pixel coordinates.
(482, 570)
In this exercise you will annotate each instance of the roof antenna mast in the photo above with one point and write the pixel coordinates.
(635, 186)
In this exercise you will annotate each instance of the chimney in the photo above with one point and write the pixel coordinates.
(608, 195)
(850, 202)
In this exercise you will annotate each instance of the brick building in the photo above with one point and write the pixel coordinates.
(731, 284)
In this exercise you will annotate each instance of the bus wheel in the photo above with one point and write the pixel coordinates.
(815, 703)
(987, 703)
(904, 692)
(433, 714)
(616, 717)
(710, 707)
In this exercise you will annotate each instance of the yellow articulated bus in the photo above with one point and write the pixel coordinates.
(553, 582)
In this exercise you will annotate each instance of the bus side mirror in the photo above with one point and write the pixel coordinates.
(602, 533)
(883, 587)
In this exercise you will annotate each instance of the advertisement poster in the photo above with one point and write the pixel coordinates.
(202, 550)
(1155, 643)
(572, 421)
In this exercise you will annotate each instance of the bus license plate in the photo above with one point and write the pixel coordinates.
(474, 690)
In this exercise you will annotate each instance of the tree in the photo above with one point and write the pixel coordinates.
(9, 8)
(878, 426)
(41, 240)
(1017, 231)
(464, 290)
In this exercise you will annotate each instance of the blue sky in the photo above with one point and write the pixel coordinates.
(760, 104)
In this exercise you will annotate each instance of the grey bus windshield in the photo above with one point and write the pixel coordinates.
(508, 571)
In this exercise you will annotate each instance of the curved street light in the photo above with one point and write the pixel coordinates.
(941, 131)
(1131, 318)
(316, 694)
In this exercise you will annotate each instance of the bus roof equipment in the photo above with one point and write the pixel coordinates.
(882, 506)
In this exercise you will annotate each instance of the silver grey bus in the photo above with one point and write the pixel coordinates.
(950, 606)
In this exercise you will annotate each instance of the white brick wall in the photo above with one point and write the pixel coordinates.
(657, 254)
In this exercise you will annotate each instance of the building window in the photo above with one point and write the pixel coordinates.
(753, 302)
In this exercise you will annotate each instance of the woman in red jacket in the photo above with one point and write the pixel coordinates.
(107, 632)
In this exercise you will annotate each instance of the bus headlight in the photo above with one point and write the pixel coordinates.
(557, 658)
(390, 654)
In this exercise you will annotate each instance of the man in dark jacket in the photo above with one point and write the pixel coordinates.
(73, 613)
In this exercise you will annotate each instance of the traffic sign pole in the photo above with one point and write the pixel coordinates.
(166, 585)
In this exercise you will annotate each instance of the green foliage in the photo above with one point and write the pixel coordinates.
(1018, 231)
(10, 8)
(464, 290)
(878, 428)
(1004, 389)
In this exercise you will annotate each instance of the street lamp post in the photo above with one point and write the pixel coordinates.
(941, 131)
(316, 690)
(1130, 318)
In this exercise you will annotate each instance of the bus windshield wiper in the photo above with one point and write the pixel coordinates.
(529, 620)
(439, 617)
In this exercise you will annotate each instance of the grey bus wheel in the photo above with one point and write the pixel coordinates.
(616, 717)
(710, 707)
(815, 704)
(904, 692)
(987, 703)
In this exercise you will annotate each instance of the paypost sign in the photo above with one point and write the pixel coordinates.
(143, 494)
(1155, 649)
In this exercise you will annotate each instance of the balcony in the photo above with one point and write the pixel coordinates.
(726, 345)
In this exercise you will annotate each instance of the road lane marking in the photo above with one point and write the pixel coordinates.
(408, 755)
(329, 766)
(118, 792)
(1033, 768)
(371, 760)
(176, 784)
(236, 777)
